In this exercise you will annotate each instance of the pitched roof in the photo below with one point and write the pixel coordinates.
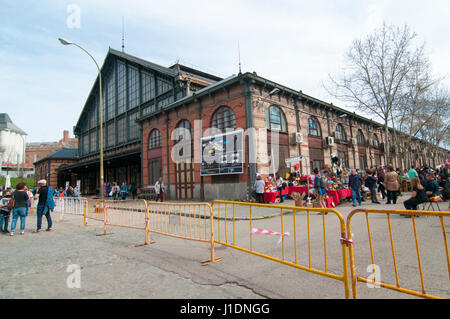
(63, 153)
(7, 124)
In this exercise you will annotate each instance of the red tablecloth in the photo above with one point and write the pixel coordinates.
(329, 202)
(271, 197)
(338, 195)
(299, 189)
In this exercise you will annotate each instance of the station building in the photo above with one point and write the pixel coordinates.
(154, 114)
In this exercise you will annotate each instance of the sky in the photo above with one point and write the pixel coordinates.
(296, 43)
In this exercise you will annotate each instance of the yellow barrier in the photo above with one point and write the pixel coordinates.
(374, 275)
(190, 221)
(229, 215)
(93, 211)
(124, 213)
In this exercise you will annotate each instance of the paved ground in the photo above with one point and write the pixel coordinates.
(35, 265)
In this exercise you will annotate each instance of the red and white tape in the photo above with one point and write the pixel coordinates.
(269, 232)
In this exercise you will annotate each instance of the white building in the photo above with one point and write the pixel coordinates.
(12, 142)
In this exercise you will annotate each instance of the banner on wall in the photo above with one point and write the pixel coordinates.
(223, 154)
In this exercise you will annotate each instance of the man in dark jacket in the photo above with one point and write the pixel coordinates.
(354, 182)
(45, 205)
(371, 183)
(431, 186)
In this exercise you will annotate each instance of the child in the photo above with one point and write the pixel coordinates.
(4, 212)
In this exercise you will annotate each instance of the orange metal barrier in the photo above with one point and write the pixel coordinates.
(191, 221)
(395, 261)
(241, 232)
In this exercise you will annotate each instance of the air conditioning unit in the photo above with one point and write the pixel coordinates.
(296, 138)
(329, 141)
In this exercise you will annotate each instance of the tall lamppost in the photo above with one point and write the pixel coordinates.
(65, 42)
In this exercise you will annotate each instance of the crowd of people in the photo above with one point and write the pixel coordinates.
(385, 182)
(18, 202)
(115, 191)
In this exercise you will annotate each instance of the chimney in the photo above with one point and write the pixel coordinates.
(66, 136)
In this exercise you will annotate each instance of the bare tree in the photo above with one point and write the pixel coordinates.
(376, 77)
(413, 114)
(436, 129)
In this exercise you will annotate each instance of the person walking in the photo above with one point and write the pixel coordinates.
(20, 198)
(159, 189)
(116, 191)
(280, 183)
(5, 211)
(319, 188)
(380, 180)
(371, 183)
(259, 189)
(392, 182)
(123, 191)
(133, 190)
(354, 183)
(45, 205)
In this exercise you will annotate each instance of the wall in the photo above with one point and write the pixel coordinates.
(12, 145)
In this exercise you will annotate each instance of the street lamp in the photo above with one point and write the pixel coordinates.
(65, 42)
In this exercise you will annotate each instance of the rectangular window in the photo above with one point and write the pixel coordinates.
(164, 102)
(362, 162)
(85, 144)
(163, 86)
(121, 88)
(148, 109)
(133, 87)
(148, 87)
(93, 116)
(111, 134)
(133, 126)
(111, 87)
(93, 138)
(121, 130)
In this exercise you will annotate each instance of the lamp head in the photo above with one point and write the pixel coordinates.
(64, 41)
(275, 90)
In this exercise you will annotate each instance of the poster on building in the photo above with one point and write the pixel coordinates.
(223, 154)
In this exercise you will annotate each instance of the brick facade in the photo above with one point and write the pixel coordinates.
(250, 98)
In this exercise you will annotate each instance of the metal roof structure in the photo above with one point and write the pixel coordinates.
(7, 125)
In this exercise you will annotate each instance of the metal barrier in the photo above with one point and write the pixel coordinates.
(70, 205)
(228, 215)
(190, 221)
(376, 281)
(121, 213)
(93, 211)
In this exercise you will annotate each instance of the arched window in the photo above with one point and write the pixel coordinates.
(183, 134)
(376, 141)
(340, 133)
(275, 119)
(360, 138)
(314, 127)
(154, 140)
(184, 130)
(223, 118)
